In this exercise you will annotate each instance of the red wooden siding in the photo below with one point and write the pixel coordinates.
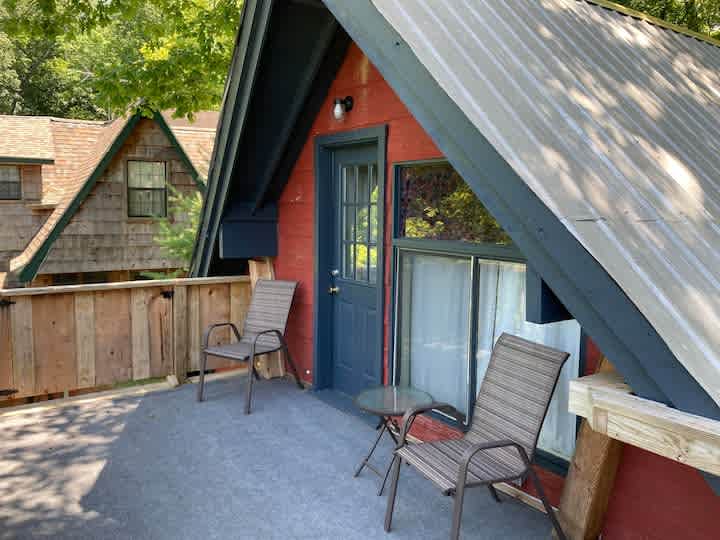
(653, 497)
(375, 104)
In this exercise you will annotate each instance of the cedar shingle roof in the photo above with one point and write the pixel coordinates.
(197, 138)
(30, 137)
(198, 146)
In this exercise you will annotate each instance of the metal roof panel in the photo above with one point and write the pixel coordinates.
(613, 123)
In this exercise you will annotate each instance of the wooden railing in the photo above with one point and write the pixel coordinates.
(604, 400)
(59, 339)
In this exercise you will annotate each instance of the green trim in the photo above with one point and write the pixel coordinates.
(31, 268)
(183, 156)
(10, 160)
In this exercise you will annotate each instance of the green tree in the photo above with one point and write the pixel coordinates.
(701, 16)
(98, 58)
(176, 235)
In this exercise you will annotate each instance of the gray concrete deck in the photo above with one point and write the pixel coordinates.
(162, 466)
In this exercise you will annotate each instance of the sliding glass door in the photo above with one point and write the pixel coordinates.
(459, 284)
(434, 327)
(501, 306)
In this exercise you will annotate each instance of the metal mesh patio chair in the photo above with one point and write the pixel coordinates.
(263, 332)
(499, 446)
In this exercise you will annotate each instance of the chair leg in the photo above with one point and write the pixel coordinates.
(251, 378)
(201, 380)
(292, 366)
(457, 512)
(546, 504)
(392, 494)
(494, 493)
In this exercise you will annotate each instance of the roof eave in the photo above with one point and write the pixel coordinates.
(251, 34)
(20, 160)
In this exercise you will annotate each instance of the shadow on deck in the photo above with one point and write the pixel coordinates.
(162, 466)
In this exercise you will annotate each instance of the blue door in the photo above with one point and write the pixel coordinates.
(354, 271)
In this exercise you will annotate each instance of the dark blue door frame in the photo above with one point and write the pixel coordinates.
(324, 237)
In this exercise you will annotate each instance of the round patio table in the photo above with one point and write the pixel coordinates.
(388, 402)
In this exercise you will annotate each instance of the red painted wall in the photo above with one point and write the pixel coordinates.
(653, 497)
(375, 104)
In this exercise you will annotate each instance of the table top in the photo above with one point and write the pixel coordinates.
(391, 400)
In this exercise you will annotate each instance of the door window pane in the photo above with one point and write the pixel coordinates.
(501, 305)
(359, 213)
(362, 225)
(435, 203)
(348, 184)
(373, 263)
(434, 318)
(363, 184)
(349, 260)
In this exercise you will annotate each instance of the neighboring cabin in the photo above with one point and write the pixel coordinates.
(79, 200)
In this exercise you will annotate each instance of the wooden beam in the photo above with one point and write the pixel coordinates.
(590, 479)
(261, 268)
(85, 338)
(652, 426)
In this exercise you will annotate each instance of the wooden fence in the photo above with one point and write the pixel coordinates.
(58, 339)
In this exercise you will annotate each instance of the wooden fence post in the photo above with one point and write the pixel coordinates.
(194, 328)
(180, 333)
(23, 348)
(85, 338)
(140, 330)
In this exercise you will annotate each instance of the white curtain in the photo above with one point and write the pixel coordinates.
(502, 309)
(437, 325)
(434, 307)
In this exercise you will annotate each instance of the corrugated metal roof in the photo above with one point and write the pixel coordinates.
(614, 123)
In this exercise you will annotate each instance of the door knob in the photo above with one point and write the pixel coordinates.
(335, 273)
(333, 290)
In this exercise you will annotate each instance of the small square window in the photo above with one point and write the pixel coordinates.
(10, 188)
(147, 189)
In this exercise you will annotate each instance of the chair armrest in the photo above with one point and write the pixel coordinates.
(409, 417)
(278, 333)
(474, 449)
(208, 331)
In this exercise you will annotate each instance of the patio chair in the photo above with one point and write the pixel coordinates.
(263, 333)
(500, 443)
